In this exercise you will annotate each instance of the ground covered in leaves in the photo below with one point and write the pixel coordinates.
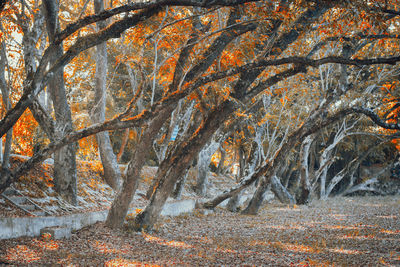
(358, 231)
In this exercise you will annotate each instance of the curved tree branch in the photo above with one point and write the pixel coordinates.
(376, 119)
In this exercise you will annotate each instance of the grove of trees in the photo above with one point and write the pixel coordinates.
(296, 96)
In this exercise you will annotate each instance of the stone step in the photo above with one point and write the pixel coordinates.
(10, 192)
(55, 232)
(18, 200)
(28, 207)
(40, 213)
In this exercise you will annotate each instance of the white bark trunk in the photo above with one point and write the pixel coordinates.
(203, 167)
(5, 92)
(112, 174)
(327, 158)
(281, 192)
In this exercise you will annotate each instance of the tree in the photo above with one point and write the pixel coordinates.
(224, 66)
(112, 174)
(65, 177)
(36, 81)
(120, 205)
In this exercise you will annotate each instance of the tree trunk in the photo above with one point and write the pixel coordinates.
(203, 164)
(246, 167)
(179, 186)
(281, 192)
(5, 92)
(257, 199)
(172, 168)
(7, 149)
(220, 167)
(112, 174)
(188, 123)
(274, 164)
(210, 55)
(246, 78)
(233, 203)
(120, 205)
(65, 177)
(242, 162)
(125, 139)
(303, 183)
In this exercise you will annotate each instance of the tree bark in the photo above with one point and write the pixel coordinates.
(203, 164)
(120, 205)
(281, 192)
(246, 167)
(305, 19)
(220, 168)
(125, 139)
(188, 123)
(303, 184)
(306, 129)
(179, 186)
(65, 176)
(178, 162)
(233, 203)
(112, 174)
(163, 106)
(5, 92)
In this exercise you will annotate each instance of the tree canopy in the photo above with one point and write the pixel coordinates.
(287, 84)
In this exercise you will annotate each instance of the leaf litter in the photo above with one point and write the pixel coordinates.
(356, 231)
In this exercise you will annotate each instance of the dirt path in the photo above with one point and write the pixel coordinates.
(339, 232)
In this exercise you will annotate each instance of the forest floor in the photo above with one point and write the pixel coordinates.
(357, 231)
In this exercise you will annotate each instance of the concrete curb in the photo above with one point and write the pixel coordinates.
(178, 207)
(31, 226)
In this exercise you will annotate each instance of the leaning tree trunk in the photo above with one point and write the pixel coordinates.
(112, 174)
(120, 205)
(258, 197)
(245, 81)
(280, 192)
(174, 166)
(180, 186)
(65, 177)
(271, 169)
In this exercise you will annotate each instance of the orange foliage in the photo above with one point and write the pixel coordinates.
(23, 134)
(390, 108)
(396, 142)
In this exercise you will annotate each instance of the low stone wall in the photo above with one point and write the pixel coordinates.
(178, 207)
(31, 226)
